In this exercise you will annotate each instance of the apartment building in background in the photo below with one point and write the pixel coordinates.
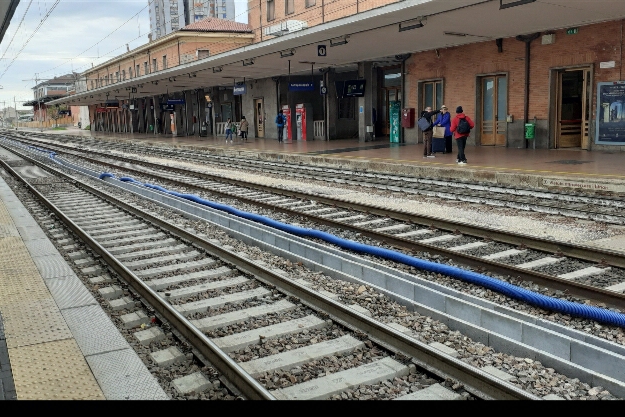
(167, 16)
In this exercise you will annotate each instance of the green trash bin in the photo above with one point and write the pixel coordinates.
(530, 130)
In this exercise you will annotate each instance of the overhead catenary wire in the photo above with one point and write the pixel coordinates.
(43, 20)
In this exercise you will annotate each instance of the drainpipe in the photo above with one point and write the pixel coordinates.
(526, 96)
(404, 96)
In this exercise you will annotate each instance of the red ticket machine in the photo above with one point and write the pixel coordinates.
(304, 121)
(288, 135)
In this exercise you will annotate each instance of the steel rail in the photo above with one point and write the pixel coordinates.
(247, 385)
(432, 360)
(603, 256)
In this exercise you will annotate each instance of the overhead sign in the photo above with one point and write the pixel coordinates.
(134, 90)
(167, 107)
(100, 110)
(303, 86)
(610, 113)
(321, 50)
(176, 101)
(323, 90)
(239, 89)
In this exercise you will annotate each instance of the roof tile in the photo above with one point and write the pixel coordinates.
(212, 24)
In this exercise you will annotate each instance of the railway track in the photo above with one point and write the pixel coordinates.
(572, 204)
(207, 292)
(592, 273)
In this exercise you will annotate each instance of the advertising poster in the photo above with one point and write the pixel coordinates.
(610, 113)
(395, 121)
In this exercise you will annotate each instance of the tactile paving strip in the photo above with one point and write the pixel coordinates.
(33, 322)
(69, 292)
(93, 330)
(123, 376)
(53, 370)
(41, 247)
(52, 266)
(8, 230)
(31, 233)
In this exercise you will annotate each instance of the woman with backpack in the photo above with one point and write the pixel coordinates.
(461, 125)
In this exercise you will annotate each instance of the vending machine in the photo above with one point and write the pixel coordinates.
(304, 121)
(288, 135)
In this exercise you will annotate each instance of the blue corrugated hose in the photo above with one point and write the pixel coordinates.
(512, 291)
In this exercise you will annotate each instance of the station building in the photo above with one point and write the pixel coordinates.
(530, 73)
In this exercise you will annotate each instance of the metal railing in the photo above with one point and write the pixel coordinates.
(319, 129)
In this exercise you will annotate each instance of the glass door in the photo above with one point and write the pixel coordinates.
(494, 110)
(259, 118)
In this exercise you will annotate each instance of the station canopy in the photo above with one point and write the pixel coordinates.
(379, 34)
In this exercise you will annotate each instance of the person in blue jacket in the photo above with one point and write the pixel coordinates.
(444, 120)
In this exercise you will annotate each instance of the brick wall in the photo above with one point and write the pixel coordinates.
(322, 11)
(459, 66)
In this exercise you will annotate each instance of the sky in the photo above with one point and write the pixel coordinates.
(74, 35)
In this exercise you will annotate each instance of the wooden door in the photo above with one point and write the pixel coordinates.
(259, 117)
(494, 110)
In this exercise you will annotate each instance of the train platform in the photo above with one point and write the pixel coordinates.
(56, 342)
(570, 169)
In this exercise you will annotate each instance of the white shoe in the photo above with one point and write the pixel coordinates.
(431, 156)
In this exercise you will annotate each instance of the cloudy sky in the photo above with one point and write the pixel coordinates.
(74, 35)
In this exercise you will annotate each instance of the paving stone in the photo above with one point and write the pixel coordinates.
(196, 382)
(326, 386)
(433, 392)
(122, 303)
(167, 357)
(444, 348)
(136, 319)
(153, 334)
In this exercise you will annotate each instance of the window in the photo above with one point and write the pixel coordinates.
(432, 94)
(116, 76)
(347, 108)
(271, 10)
(289, 6)
(138, 71)
(310, 3)
(203, 53)
(123, 75)
(129, 72)
(92, 84)
(164, 61)
(146, 70)
(154, 65)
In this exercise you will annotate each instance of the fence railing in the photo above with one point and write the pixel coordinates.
(65, 121)
(320, 129)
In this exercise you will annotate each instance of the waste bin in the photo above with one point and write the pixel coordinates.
(530, 130)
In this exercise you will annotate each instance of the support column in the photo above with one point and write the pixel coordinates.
(189, 112)
(153, 115)
(365, 103)
(201, 106)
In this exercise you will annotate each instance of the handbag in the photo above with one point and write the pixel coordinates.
(438, 132)
(424, 124)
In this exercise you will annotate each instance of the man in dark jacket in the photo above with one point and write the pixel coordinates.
(427, 134)
(458, 126)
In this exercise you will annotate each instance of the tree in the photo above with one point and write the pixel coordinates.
(57, 112)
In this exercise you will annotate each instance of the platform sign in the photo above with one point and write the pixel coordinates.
(610, 113)
(394, 118)
(175, 101)
(239, 89)
(303, 86)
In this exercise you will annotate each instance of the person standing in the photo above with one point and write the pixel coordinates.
(444, 120)
(280, 121)
(461, 125)
(228, 130)
(427, 133)
(243, 127)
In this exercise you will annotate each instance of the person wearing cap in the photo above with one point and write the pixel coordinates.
(427, 134)
(444, 120)
(461, 136)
